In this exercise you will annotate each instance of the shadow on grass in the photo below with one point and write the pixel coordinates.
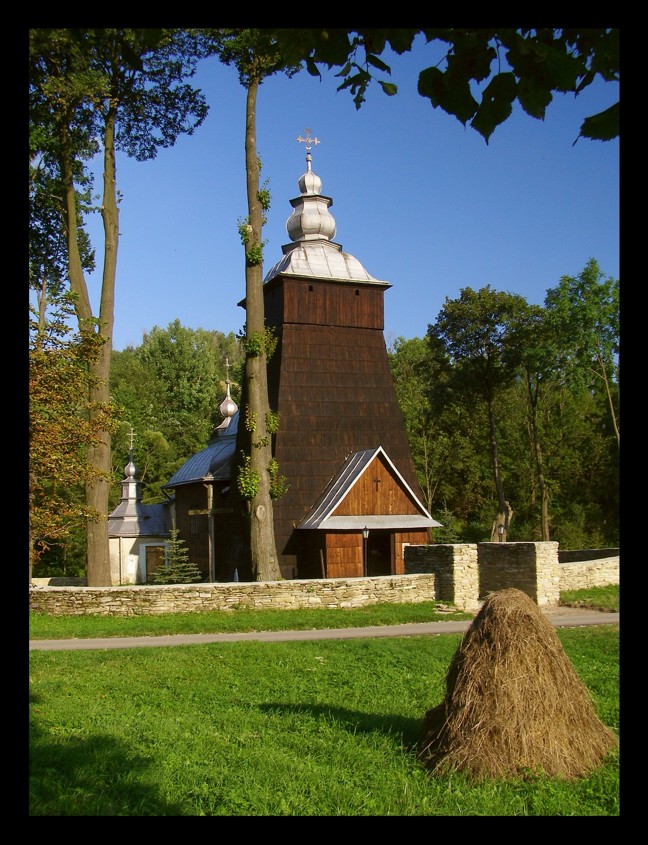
(405, 729)
(95, 776)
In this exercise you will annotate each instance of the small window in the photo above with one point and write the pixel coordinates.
(357, 293)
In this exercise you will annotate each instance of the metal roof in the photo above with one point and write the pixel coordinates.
(321, 516)
(322, 260)
(213, 463)
(311, 228)
(134, 519)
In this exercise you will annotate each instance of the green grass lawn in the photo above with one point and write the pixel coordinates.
(44, 626)
(325, 728)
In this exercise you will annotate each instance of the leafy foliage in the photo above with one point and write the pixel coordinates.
(279, 485)
(93, 90)
(248, 478)
(170, 388)
(478, 74)
(60, 425)
(90, 87)
(555, 443)
(583, 312)
(450, 531)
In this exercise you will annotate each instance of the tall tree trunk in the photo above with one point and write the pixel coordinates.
(542, 483)
(263, 552)
(532, 393)
(500, 526)
(608, 394)
(98, 487)
(32, 549)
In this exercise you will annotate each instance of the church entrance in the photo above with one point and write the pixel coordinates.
(379, 553)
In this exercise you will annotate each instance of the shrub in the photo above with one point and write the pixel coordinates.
(176, 569)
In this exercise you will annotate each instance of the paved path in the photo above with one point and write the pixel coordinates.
(561, 617)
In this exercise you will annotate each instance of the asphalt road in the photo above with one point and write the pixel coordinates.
(562, 617)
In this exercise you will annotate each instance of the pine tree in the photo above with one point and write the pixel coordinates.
(176, 569)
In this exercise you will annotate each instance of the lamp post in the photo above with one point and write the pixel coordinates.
(500, 531)
(365, 537)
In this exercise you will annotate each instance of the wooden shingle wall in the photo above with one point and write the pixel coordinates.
(324, 303)
(330, 382)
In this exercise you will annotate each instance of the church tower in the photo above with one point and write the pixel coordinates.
(353, 499)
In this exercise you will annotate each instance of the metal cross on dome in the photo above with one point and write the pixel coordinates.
(130, 450)
(307, 140)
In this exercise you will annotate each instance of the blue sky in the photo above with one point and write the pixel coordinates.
(422, 202)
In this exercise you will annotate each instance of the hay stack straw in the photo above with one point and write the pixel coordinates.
(514, 705)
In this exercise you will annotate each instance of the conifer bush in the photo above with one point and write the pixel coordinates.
(177, 568)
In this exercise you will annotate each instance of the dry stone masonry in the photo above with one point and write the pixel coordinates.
(460, 574)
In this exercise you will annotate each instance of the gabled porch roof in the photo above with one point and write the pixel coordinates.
(322, 516)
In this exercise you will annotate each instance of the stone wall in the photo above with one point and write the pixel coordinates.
(198, 598)
(594, 573)
(459, 574)
(456, 567)
(530, 567)
(468, 572)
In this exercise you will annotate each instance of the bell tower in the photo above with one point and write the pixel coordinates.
(329, 378)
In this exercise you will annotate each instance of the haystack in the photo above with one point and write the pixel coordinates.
(514, 705)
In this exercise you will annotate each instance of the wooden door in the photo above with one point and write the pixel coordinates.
(154, 558)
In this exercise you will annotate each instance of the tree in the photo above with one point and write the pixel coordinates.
(170, 388)
(47, 243)
(177, 568)
(478, 73)
(409, 364)
(524, 65)
(473, 330)
(123, 90)
(584, 312)
(61, 424)
(254, 54)
(188, 368)
(433, 429)
(532, 347)
(114, 89)
(135, 389)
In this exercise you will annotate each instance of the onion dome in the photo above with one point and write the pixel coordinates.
(311, 227)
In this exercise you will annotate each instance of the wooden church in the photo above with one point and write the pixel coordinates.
(353, 500)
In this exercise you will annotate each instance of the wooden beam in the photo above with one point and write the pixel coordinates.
(207, 511)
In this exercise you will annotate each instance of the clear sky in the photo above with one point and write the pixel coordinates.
(422, 202)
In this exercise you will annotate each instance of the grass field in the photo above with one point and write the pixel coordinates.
(44, 626)
(325, 728)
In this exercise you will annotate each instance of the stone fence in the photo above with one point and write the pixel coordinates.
(468, 572)
(459, 574)
(585, 574)
(198, 598)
